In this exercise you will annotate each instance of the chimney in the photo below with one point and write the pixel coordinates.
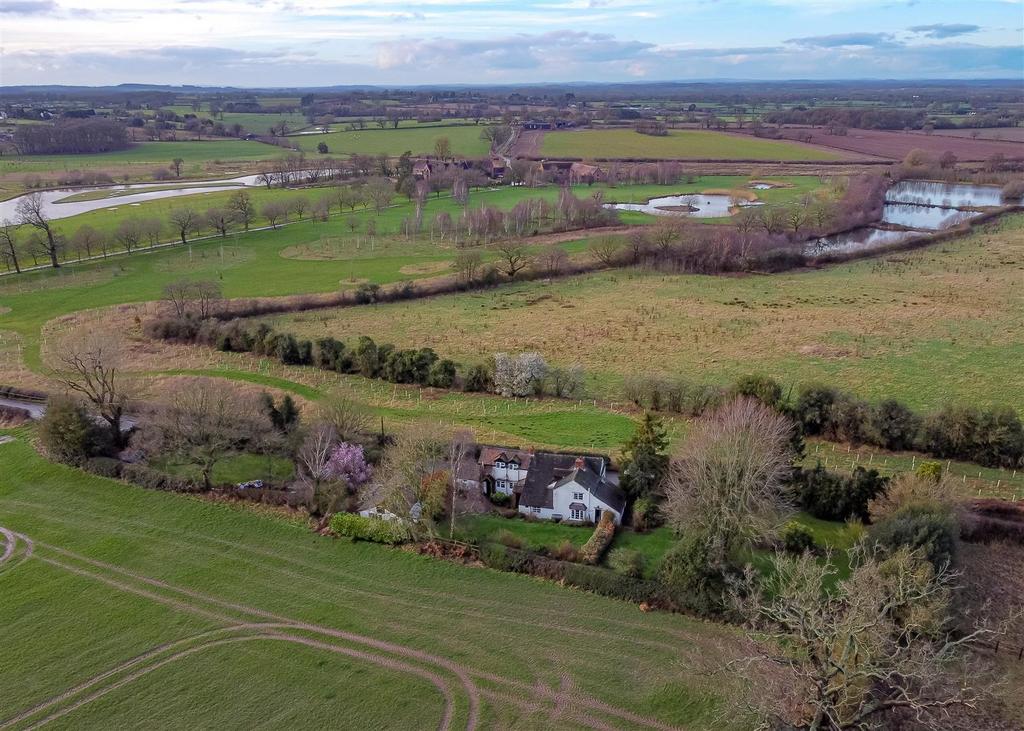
(580, 464)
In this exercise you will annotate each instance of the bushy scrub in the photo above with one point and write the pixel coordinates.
(930, 528)
(832, 496)
(69, 433)
(376, 530)
(796, 538)
(693, 576)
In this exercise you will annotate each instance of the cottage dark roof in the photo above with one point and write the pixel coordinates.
(548, 468)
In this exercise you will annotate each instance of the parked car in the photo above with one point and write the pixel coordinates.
(251, 485)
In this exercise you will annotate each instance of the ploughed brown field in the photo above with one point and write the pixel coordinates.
(896, 145)
(1005, 134)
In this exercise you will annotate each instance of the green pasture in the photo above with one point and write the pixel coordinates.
(158, 605)
(418, 139)
(937, 325)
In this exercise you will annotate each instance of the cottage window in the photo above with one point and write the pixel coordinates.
(499, 465)
(577, 496)
(536, 510)
(576, 514)
(513, 466)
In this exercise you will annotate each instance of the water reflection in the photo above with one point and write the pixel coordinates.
(695, 205)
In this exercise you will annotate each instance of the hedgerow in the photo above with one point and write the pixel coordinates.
(376, 530)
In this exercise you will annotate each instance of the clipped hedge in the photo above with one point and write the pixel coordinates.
(375, 530)
(604, 533)
(590, 578)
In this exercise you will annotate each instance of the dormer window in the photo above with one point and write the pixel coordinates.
(499, 464)
(513, 465)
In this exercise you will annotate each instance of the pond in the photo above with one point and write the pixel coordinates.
(867, 237)
(946, 195)
(932, 218)
(694, 205)
(921, 206)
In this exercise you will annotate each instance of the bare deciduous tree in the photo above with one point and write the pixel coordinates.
(185, 220)
(606, 250)
(31, 212)
(467, 265)
(219, 219)
(866, 652)
(202, 423)
(513, 258)
(726, 479)
(460, 450)
(86, 238)
(404, 486)
(274, 211)
(92, 367)
(244, 209)
(8, 243)
(348, 420)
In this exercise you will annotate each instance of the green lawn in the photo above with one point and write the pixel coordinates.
(142, 593)
(419, 140)
(680, 144)
(236, 469)
(542, 534)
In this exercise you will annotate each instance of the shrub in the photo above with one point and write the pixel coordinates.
(478, 379)
(599, 541)
(442, 374)
(694, 580)
(565, 551)
(1014, 190)
(929, 471)
(507, 538)
(893, 426)
(813, 407)
(147, 477)
(103, 466)
(171, 328)
(376, 530)
(501, 499)
(766, 390)
(646, 514)
(367, 293)
(627, 562)
(831, 496)
(797, 538)
(69, 433)
(930, 528)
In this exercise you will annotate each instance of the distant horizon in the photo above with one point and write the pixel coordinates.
(317, 43)
(521, 84)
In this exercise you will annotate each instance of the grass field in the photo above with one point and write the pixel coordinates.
(939, 324)
(419, 140)
(682, 144)
(303, 257)
(194, 153)
(140, 608)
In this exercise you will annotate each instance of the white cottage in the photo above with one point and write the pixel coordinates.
(504, 470)
(573, 489)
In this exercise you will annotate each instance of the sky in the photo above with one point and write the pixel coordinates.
(266, 43)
